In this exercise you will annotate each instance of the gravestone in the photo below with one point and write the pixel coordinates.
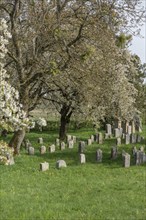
(99, 155)
(57, 142)
(125, 126)
(40, 140)
(42, 150)
(52, 148)
(134, 150)
(31, 150)
(82, 158)
(74, 138)
(10, 159)
(100, 138)
(116, 132)
(108, 129)
(44, 166)
(89, 142)
(68, 137)
(70, 144)
(27, 144)
(127, 139)
(62, 146)
(141, 148)
(92, 138)
(118, 141)
(139, 157)
(114, 152)
(120, 132)
(60, 164)
(129, 129)
(133, 138)
(106, 136)
(123, 136)
(96, 137)
(81, 146)
(126, 160)
(133, 127)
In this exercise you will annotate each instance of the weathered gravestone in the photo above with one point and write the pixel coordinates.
(100, 138)
(133, 127)
(96, 137)
(81, 146)
(60, 164)
(40, 140)
(92, 138)
(57, 142)
(74, 138)
(127, 139)
(106, 135)
(89, 142)
(108, 129)
(42, 150)
(82, 158)
(118, 141)
(99, 155)
(51, 148)
(126, 159)
(44, 166)
(116, 132)
(133, 138)
(129, 129)
(114, 152)
(123, 136)
(141, 148)
(62, 146)
(31, 150)
(68, 138)
(138, 138)
(70, 144)
(139, 157)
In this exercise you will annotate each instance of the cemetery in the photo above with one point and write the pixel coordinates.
(72, 111)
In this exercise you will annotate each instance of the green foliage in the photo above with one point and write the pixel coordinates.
(90, 191)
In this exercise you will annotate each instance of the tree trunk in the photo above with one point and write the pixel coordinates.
(16, 140)
(63, 128)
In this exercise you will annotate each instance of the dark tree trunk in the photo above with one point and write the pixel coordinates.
(16, 140)
(66, 113)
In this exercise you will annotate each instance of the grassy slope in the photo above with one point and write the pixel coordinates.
(91, 191)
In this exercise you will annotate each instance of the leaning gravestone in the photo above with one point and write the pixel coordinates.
(118, 141)
(52, 148)
(62, 145)
(44, 166)
(99, 155)
(126, 160)
(70, 144)
(31, 150)
(82, 158)
(127, 139)
(114, 152)
(42, 150)
(81, 146)
(60, 164)
(40, 140)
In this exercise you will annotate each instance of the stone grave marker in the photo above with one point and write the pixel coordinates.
(82, 158)
(108, 129)
(117, 132)
(44, 166)
(99, 155)
(68, 138)
(40, 140)
(126, 159)
(60, 164)
(81, 146)
(127, 139)
(70, 144)
(92, 138)
(129, 129)
(114, 152)
(42, 150)
(89, 142)
(100, 138)
(139, 157)
(62, 146)
(133, 138)
(74, 138)
(118, 141)
(141, 148)
(31, 150)
(52, 148)
(57, 142)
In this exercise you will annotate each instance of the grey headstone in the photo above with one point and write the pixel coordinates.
(141, 148)
(92, 138)
(60, 164)
(81, 146)
(126, 160)
(139, 157)
(117, 132)
(40, 140)
(62, 146)
(57, 142)
(99, 155)
(74, 138)
(114, 152)
(129, 129)
(42, 150)
(133, 138)
(127, 139)
(108, 129)
(134, 150)
(31, 150)
(70, 144)
(106, 135)
(123, 136)
(138, 138)
(82, 158)
(89, 142)
(100, 138)
(44, 166)
(68, 137)
(96, 137)
(52, 148)
(133, 127)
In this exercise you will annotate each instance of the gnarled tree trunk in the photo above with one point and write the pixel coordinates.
(16, 140)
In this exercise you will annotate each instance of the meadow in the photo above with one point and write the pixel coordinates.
(91, 191)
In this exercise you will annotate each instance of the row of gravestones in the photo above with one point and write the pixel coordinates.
(139, 158)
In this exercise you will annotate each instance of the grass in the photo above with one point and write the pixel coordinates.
(105, 191)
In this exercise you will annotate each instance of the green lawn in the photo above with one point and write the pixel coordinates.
(90, 192)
